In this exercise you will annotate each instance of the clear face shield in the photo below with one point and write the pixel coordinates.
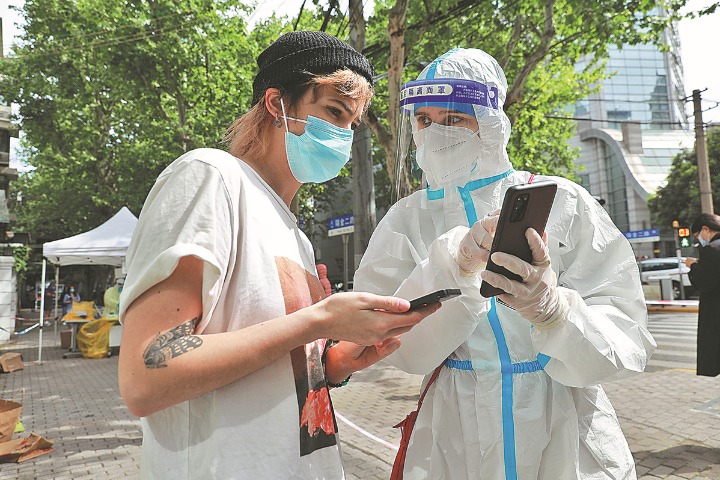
(443, 133)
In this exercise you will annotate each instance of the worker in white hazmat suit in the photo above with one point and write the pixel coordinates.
(519, 396)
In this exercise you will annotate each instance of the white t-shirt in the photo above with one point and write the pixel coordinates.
(276, 423)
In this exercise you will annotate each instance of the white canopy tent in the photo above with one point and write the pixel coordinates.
(104, 245)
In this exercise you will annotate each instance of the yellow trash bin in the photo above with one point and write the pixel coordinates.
(93, 339)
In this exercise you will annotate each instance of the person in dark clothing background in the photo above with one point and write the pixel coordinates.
(705, 277)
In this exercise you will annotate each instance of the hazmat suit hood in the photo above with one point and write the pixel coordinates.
(449, 156)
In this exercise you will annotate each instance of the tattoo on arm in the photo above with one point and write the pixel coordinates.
(172, 343)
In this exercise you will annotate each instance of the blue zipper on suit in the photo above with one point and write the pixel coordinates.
(507, 370)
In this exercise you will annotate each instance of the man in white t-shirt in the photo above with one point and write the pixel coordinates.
(224, 352)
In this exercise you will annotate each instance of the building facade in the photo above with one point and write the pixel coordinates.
(629, 133)
(8, 277)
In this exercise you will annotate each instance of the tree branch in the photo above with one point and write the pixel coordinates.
(515, 35)
(381, 133)
(297, 20)
(396, 62)
(328, 14)
(534, 58)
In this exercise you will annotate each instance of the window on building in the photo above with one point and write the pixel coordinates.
(615, 118)
(584, 181)
(4, 141)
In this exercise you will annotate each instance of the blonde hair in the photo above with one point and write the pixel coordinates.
(245, 137)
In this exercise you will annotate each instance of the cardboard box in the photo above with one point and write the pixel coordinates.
(65, 338)
(9, 417)
(9, 362)
(22, 449)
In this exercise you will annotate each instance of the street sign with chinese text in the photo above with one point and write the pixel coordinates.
(341, 225)
(640, 236)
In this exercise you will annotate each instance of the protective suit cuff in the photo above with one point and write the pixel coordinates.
(465, 273)
(453, 238)
(557, 318)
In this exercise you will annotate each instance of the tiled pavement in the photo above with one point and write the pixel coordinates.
(75, 402)
(670, 416)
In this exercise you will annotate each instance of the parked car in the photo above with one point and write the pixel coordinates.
(653, 269)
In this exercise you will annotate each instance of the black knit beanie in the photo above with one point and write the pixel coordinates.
(291, 58)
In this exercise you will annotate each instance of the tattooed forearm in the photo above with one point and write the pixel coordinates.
(172, 343)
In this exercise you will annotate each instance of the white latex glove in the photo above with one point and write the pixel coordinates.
(474, 249)
(536, 298)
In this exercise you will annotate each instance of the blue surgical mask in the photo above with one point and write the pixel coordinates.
(72, 290)
(320, 152)
(703, 242)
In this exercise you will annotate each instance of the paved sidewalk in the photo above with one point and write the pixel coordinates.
(671, 418)
(76, 403)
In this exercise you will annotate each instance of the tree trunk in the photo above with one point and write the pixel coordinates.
(396, 34)
(363, 184)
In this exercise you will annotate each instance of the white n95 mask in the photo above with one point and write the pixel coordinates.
(447, 155)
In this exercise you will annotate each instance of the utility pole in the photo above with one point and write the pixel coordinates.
(363, 184)
(706, 200)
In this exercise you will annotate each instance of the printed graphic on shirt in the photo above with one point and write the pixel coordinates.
(317, 421)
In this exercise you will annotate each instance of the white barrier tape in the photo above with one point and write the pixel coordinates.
(366, 433)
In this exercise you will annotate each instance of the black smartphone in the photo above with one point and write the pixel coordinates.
(524, 206)
(435, 297)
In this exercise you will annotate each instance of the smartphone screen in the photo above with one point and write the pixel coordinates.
(440, 295)
(524, 206)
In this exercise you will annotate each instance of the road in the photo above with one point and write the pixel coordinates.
(675, 334)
